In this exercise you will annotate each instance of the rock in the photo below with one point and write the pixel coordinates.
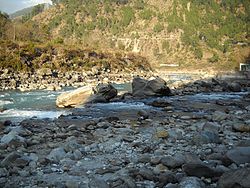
(74, 98)
(3, 172)
(15, 159)
(191, 182)
(171, 185)
(161, 103)
(143, 114)
(144, 88)
(12, 139)
(211, 126)
(234, 87)
(206, 137)
(161, 133)
(219, 116)
(56, 154)
(72, 184)
(200, 170)
(173, 161)
(147, 174)
(167, 177)
(94, 183)
(104, 93)
(244, 143)
(241, 127)
(176, 133)
(239, 155)
(237, 178)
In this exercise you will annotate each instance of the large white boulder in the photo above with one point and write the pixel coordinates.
(74, 98)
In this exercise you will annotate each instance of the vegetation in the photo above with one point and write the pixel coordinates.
(198, 27)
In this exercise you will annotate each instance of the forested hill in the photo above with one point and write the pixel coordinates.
(181, 32)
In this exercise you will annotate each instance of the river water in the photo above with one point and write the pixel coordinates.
(38, 104)
(41, 104)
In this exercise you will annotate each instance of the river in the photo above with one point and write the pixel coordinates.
(40, 104)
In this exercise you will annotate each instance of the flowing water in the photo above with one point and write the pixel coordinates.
(16, 105)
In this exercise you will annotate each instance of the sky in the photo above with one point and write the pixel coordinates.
(11, 6)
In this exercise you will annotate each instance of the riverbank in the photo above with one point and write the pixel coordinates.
(47, 79)
(194, 140)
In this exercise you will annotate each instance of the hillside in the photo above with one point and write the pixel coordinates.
(167, 32)
(28, 13)
(181, 34)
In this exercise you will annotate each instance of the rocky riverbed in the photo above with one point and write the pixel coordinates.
(196, 141)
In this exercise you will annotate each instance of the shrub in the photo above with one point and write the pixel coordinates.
(127, 16)
(165, 45)
(146, 14)
(214, 59)
(198, 53)
(158, 28)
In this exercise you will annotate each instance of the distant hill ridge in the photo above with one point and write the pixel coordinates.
(27, 11)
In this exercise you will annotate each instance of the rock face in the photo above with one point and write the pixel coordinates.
(238, 178)
(83, 95)
(145, 88)
(74, 98)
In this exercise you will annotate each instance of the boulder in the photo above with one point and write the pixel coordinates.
(74, 98)
(234, 87)
(239, 155)
(103, 93)
(15, 159)
(146, 88)
(200, 170)
(83, 95)
(13, 139)
(237, 178)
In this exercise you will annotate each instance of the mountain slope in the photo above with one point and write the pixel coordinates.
(167, 32)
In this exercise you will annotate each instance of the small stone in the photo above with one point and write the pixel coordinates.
(219, 116)
(56, 154)
(173, 161)
(143, 114)
(162, 134)
(144, 158)
(206, 137)
(72, 184)
(191, 182)
(161, 103)
(3, 172)
(77, 155)
(94, 183)
(241, 127)
(211, 126)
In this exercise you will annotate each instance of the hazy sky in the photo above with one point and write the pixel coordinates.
(10, 6)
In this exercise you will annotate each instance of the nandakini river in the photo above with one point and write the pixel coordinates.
(17, 106)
